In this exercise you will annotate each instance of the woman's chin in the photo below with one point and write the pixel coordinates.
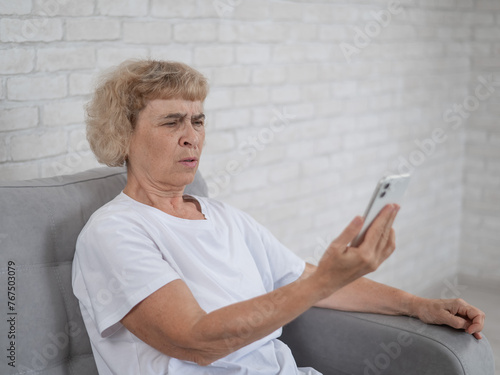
(182, 178)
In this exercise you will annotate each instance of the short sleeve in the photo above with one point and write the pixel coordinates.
(116, 266)
(278, 265)
(285, 265)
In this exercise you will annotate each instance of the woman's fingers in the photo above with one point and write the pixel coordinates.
(390, 245)
(339, 244)
(385, 239)
(354, 262)
(379, 230)
(349, 233)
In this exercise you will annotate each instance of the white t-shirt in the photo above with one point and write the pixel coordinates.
(128, 250)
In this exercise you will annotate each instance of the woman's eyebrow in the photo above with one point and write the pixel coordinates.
(174, 115)
(181, 116)
(201, 116)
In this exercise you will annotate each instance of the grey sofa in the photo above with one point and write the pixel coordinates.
(42, 332)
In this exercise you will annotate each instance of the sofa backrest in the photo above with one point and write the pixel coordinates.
(39, 223)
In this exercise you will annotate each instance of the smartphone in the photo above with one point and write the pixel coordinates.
(389, 190)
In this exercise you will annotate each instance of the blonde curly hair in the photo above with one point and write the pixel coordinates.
(124, 91)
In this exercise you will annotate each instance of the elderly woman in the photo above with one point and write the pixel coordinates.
(170, 283)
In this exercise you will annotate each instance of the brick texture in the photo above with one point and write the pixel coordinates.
(30, 30)
(310, 103)
(17, 60)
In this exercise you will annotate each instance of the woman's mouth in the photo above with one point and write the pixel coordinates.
(189, 162)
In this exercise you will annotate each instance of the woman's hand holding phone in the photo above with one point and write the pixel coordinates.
(390, 189)
(366, 242)
(341, 264)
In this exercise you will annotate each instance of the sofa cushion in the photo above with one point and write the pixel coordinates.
(39, 223)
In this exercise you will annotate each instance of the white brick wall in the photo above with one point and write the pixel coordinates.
(92, 29)
(56, 59)
(481, 211)
(15, 7)
(33, 145)
(131, 8)
(62, 7)
(17, 60)
(311, 102)
(18, 118)
(151, 32)
(26, 88)
(30, 30)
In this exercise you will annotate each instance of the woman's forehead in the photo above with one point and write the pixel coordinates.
(165, 107)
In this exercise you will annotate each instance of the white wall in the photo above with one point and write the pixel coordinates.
(480, 251)
(305, 113)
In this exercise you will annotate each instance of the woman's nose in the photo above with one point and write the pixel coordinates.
(190, 137)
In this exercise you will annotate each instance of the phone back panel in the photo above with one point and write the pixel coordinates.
(389, 190)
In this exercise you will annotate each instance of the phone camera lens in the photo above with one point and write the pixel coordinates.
(382, 195)
(387, 185)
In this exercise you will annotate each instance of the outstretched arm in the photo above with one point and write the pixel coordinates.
(171, 320)
(365, 295)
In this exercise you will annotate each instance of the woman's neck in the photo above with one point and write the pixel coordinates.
(168, 199)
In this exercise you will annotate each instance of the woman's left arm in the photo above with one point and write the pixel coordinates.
(365, 295)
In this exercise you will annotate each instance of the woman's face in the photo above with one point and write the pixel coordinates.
(166, 145)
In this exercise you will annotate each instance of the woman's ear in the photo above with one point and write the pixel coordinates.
(126, 153)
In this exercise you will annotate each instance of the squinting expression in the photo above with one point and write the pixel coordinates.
(166, 145)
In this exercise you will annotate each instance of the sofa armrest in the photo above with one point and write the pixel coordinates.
(337, 342)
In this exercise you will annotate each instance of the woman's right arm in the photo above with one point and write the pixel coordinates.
(171, 320)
